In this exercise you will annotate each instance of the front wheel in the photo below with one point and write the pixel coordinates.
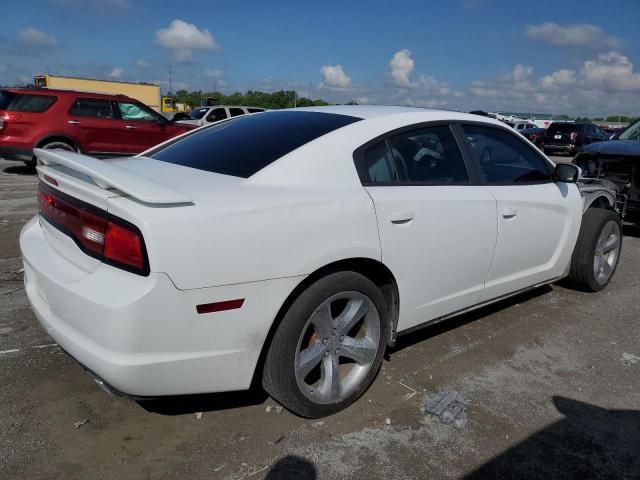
(597, 251)
(329, 346)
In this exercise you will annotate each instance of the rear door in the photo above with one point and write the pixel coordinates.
(93, 123)
(437, 226)
(538, 220)
(143, 128)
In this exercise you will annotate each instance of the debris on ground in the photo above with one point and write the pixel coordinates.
(80, 423)
(629, 358)
(449, 406)
(198, 415)
(268, 409)
(279, 410)
(387, 421)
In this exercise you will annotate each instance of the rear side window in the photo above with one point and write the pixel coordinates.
(89, 107)
(255, 110)
(428, 155)
(5, 99)
(378, 164)
(248, 144)
(28, 103)
(236, 112)
(503, 158)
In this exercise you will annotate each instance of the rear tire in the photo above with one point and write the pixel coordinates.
(305, 369)
(52, 145)
(597, 250)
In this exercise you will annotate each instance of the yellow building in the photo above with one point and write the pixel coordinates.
(149, 94)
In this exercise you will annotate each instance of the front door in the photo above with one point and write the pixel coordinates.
(142, 127)
(437, 228)
(538, 219)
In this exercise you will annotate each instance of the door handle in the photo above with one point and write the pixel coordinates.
(73, 122)
(130, 127)
(509, 212)
(401, 218)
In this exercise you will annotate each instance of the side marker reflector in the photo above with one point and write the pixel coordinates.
(220, 306)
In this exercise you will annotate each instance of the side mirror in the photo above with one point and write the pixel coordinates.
(567, 172)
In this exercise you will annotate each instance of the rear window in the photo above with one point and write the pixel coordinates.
(562, 128)
(23, 102)
(246, 144)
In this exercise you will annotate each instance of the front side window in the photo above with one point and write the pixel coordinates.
(631, 133)
(216, 115)
(235, 112)
(89, 107)
(27, 103)
(503, 158)
(198, 113)
(135, 111)
(428, 155)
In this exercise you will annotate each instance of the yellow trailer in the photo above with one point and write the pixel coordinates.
(147, 93)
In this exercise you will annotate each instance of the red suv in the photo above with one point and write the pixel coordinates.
(96, 124)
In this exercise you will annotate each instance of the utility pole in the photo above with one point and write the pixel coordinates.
(170, 83)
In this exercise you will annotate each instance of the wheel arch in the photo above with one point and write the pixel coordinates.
(57, 137)
(372, 269)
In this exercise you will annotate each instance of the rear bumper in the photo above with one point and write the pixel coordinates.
(142, 335)
(16, 153)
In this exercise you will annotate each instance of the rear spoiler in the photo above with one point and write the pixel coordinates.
(108, 176)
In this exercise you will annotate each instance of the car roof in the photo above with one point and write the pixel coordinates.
(63, 92)
(369, 112)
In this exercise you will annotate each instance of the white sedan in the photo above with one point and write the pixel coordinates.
(290, 248)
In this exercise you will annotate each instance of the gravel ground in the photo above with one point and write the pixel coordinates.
(551, 379)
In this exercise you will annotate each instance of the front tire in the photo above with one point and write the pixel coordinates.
(329, 346)
(597, 250)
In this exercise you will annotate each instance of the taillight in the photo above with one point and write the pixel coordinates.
(7, 117)
(574, 136)
(97, 233)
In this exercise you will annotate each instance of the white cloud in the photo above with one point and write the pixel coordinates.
(401, 66)
(116, 73)
(363, 100)
(611, 72)
(218, 77)
(333, 76)
(579, 35)
(36, 38)
(183, 38)
(559, 78)
(142, 64)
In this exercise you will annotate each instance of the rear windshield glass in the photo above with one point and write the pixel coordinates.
(246, 144)
(23, 102)
(562, 127)
(198, 113)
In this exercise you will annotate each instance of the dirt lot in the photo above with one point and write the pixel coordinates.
(551, 379)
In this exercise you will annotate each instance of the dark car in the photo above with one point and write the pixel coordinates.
(534, 135)
(97, 124)
(565, 137)
(619, 162)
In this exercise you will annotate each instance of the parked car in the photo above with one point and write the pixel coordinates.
(93, 123)
(534, 135)
(617, 161)
(565, 137)
(292, 247)
(206, 115)
(522, 125)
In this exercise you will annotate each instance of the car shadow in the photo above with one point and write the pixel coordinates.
(20, 169)
(290, 467)
(410, 339)
(631, 230)
(589, 442)
(209, 402)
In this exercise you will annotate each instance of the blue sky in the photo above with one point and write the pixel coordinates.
(580, 57)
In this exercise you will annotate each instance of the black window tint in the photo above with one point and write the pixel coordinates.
(236, 112)
(5, 99)
(30, 103)
(428, 155)
(503, 157)
(255, 110)
(378, 164)
(250, 143)
(561, 128)
(198, 113)
(216, 115)
(88, 107)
